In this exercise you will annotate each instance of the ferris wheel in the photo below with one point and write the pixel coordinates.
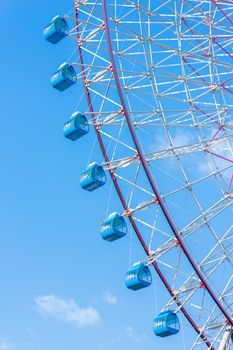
(158, 79)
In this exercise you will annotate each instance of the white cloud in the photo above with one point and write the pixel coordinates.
(214, 163)
(202, 166)
(179, 138)
(5, 345)
(66, 310)
(128, 332)
(182, 138)
(110, 298)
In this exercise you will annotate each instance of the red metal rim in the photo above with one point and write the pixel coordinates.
(149, 177)
(115, 182)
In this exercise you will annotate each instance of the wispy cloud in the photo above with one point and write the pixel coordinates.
(128, 332)
(110, 298)
(66, 310)
(5, 344)
(196, 161)
(183, 138)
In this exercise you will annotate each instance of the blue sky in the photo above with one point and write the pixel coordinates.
(61, 285)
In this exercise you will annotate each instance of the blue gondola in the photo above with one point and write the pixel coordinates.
(64, 77)
(93, 177)
(113, 228)
(76, 127)
(56, 30)
(138, 276)
(166, 323)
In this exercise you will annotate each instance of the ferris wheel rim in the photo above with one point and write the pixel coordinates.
(99, 112)
(148, 174)
(201, 334)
